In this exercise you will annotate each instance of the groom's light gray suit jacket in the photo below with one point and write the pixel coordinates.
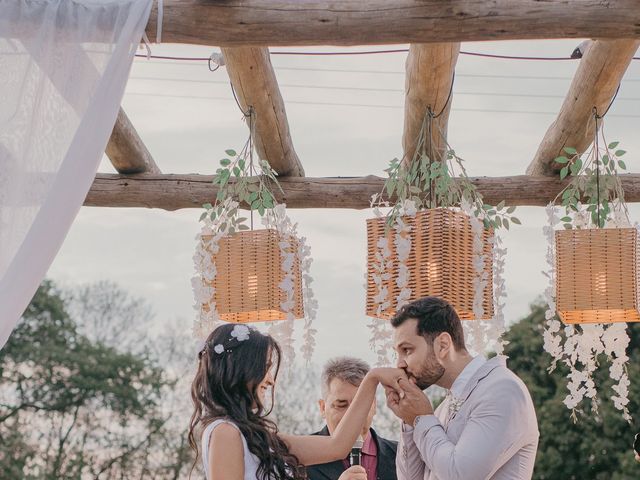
(493, 435)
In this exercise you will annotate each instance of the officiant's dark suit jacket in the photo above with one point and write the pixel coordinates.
(386, 461)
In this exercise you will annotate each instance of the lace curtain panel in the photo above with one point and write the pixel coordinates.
(64, 65)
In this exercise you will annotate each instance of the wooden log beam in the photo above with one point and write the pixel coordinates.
(173, 192)
(127, 151)
(255, 83)
(428, 81)
(360, 22)
(594, 84)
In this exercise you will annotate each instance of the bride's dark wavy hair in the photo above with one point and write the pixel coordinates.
(226, 386)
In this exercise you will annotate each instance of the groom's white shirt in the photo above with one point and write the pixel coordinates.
(492, 435)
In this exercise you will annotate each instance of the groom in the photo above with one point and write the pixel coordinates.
(485, 428)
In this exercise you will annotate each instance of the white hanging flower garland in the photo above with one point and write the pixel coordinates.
(484, 335)
(278, 220)
(207, 245)
(202, 282)
(579, 346)
(222, 219)
(481, 335)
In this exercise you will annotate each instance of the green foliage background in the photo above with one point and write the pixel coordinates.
(86, 393)
(596, 447)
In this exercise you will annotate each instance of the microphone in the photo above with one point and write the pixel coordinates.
(355, 452)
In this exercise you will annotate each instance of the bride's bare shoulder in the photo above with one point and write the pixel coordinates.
(225, 453)
(225, 432)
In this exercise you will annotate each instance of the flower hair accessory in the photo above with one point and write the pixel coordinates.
(240, 333)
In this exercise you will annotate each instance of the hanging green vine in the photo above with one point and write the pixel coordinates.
(595, 184)
(239, 181)
(431, 180)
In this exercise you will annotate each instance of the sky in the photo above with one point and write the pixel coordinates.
(346, 119)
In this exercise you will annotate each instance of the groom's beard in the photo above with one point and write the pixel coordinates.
(430, 372)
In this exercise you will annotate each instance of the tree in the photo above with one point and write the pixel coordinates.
(73, 407)
(597, 446)
(106, 313)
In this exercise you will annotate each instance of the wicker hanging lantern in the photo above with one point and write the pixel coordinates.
(597, 275)
(249, 273)
(440, 262)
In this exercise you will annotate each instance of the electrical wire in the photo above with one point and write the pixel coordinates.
(362, 89)
(376, 52)
(339, 104)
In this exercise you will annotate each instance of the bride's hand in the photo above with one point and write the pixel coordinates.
(390, 378)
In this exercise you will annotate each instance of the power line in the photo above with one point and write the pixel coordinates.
(397, 72)
(362, 89)
(375, 52)
(339, 104)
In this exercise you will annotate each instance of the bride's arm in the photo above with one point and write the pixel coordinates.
(314, 449)
(226, 454)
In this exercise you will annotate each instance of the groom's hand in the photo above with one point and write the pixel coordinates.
(393, 401)
(413, 403)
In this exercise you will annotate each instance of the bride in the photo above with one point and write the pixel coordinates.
(236, 368)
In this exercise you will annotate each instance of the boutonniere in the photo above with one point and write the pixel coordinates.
(454, 405)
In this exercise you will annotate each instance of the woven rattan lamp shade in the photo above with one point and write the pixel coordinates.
(597, 275)
(248, 276)
(440, 262)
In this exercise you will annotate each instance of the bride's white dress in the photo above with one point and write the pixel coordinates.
(251, 462)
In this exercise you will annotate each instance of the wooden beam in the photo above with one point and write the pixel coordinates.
(127, 151)
(595, 83)
(428, 81)
(359, 22)
(173, 192)
(255, 83)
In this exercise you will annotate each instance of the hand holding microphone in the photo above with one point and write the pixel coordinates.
(354, 473)
(356, 450)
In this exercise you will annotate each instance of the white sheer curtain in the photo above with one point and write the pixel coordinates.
(64, 65)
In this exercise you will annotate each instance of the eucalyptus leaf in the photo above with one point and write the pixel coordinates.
(231, 152)
(578, 164)
(570, 150)
(563, 172)
(516, 221)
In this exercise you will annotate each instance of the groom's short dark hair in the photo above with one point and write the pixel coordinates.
(435, 316)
